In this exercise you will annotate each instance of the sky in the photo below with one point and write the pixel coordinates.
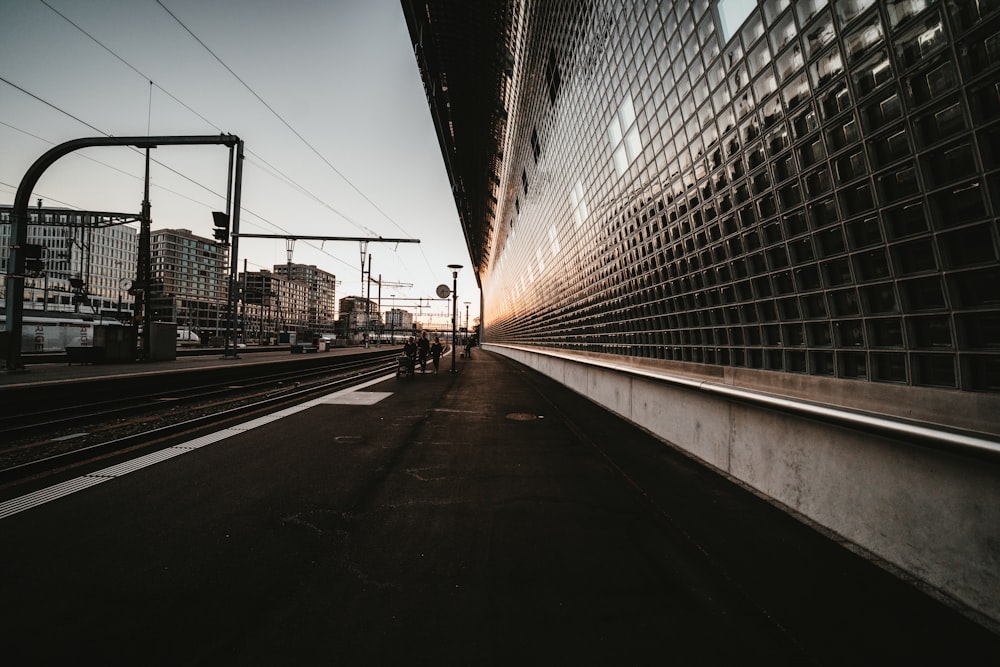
(325, 94)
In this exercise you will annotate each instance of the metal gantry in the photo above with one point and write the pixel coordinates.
(19, 217)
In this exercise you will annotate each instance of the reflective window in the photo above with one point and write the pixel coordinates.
(624, 136)
(817, 195)
(732, 14)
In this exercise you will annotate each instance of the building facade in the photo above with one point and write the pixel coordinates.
(272, 303)
(399, 323)
(359, 319)
(807, 188)
(260, 317)
(86, 261)
(189, 274)
(766, 231)
(319, 307)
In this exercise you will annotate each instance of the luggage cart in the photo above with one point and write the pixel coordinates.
(404, 366)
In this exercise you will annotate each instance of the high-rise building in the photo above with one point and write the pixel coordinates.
(320, 298)
(86, 261)
(260, 318)
(190, 288)
(273, 303)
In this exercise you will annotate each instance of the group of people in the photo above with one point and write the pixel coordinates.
(421, 348)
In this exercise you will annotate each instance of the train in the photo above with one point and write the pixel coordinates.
(186, 337)
(43, 334)
(55, 334)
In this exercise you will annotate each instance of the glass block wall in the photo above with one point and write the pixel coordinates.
(802, 187)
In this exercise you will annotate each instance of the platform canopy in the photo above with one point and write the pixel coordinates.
(463, 51)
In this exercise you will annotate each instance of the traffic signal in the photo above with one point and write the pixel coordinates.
(221, 231)
(34, 265)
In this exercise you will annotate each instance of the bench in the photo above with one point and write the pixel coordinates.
(85, 355)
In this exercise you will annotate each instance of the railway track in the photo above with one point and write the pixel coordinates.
(47, 439)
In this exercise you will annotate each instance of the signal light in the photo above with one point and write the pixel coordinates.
(34, 265)
(221, 231)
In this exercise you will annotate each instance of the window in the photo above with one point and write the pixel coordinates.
(552, 77)
(579, 206)
(623, 134)
(732, 14)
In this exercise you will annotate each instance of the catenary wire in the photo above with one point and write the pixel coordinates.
(157, 162)
(288, 179)
(283, 121)
(274, 169)
(199, 115)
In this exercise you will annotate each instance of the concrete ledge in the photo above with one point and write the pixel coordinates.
(924, 499)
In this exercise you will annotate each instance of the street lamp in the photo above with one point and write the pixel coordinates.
(454, 306)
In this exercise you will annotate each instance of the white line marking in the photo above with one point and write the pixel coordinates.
(357, 398)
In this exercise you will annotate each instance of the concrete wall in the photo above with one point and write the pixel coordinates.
(932, 511)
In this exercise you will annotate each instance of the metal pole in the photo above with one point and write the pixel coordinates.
(368, 305)
(454, 306)
(243, 305)
(145, 272)
(234, 248)
(230, 175)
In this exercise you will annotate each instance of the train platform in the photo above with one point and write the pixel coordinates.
(487, 516)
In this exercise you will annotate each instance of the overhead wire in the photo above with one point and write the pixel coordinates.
(274, 169)
(283, 121)
(189, 108)
(13, 188)
(271, 223)
(297, 134)
(134, 176)
(196, 113)
(53, 106)
(102, 133)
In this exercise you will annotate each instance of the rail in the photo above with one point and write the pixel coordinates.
(270, 393)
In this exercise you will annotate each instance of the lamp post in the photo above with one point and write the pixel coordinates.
(454, 307)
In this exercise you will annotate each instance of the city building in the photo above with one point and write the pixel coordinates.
(805, 189)
(320, 302)
(189, 275)
(85, 262)
(717, 216)
(260, 318)
(359, 319)
(398, 323)
(272, 303)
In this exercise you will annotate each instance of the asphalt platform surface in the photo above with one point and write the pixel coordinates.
(485, 517)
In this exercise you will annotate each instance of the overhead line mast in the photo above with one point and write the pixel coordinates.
(19, 217)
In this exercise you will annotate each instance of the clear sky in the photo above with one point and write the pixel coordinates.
(325, 93)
